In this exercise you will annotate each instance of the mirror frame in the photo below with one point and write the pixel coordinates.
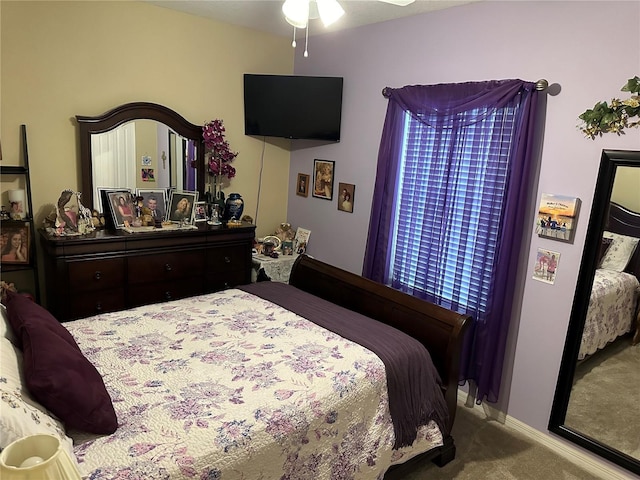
(609, 162)
(126, 113)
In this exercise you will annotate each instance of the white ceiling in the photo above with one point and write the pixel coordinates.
(266, 15)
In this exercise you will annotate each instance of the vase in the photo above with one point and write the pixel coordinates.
(234, 207)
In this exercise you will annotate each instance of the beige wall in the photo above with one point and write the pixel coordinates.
(626, 188)
(61, 59)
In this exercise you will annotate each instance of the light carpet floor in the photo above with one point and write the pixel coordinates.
(488, 450)
(605, 398)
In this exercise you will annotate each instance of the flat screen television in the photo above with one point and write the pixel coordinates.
(292, 106)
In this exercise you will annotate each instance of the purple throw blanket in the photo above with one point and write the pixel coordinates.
(415, 396)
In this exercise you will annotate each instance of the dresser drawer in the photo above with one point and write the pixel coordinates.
(168, 266)
(156, 292)
(222, 259)
(229, 279)
(92, 275)
(108, 300)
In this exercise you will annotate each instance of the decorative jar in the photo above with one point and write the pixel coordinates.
(234, 207)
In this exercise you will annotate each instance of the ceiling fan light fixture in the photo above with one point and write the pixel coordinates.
(399, 3)
(296, 12)
(330, 11)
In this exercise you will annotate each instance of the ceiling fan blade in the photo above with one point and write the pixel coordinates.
(400, 3)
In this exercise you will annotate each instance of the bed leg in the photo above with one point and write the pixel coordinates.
(447, 452)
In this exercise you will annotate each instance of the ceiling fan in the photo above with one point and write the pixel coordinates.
(298, 13)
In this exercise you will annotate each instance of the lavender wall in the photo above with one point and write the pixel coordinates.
(588, 48)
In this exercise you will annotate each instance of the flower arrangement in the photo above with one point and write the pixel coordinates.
(218, 150)
(613, 117)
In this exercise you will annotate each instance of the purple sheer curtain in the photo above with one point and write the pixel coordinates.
(484, 347)
(190, 172)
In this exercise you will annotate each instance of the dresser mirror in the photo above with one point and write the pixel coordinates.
(139, 145)
(596, 398)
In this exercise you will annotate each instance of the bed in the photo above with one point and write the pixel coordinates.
(263, 381)
(613, 304)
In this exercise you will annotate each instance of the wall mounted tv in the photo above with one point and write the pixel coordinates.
(291, 106)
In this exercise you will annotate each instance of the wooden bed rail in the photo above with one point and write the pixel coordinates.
(440, 330)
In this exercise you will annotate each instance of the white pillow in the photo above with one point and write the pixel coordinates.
(619, 253)
(20, 414)
(6, 331)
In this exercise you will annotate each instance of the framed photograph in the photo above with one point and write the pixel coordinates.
(345, 199)
(148, 175)
(121, 208)
(182, 206)
(323, 171)
(287, 247)
(557, 217)
(15, 246)
(154, 200)
(302, 187)
(201, 212)
(546, 266)
(301, 240)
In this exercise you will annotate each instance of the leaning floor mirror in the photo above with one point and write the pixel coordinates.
(596, 399)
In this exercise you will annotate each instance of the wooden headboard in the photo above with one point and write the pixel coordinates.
(626, 222)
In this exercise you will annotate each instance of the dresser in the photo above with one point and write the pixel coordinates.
(108, 271)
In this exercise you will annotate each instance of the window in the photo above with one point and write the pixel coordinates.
(448, 209)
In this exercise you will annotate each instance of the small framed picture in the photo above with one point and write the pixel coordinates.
(287, 247)
(301, 240)
(15, 243)
(148, 175)
(146, 160)
(345, 198)
(546, 266)
(557, 217)
(182, 206)
(302, 187)
(121, 208)
(154, 200)
(323, 178)
(201, 212)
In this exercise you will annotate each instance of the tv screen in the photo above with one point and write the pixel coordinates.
(292, 106)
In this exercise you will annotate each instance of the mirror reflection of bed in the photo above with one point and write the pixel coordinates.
(603, 401)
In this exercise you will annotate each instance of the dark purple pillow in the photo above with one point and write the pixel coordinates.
(56, 372)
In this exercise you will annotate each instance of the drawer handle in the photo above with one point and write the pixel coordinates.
(167, 295)
(97, 275)
(98, 307)
(227, 259)
(167, 268)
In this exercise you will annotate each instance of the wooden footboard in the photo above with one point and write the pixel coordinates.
(438, 329)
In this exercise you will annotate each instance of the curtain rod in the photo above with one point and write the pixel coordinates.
(541, 85)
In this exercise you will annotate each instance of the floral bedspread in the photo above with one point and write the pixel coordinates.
(612, 309)
(230, 386)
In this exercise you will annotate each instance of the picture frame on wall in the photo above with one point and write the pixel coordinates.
(557, 217)
(546, 267)
(15, 243)
(323, 172)
(345, 197)
(182, 206)
(155, 200)
(302, 186)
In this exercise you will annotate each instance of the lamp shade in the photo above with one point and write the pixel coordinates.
(296, 12)
(37, 457)
(330, 11)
